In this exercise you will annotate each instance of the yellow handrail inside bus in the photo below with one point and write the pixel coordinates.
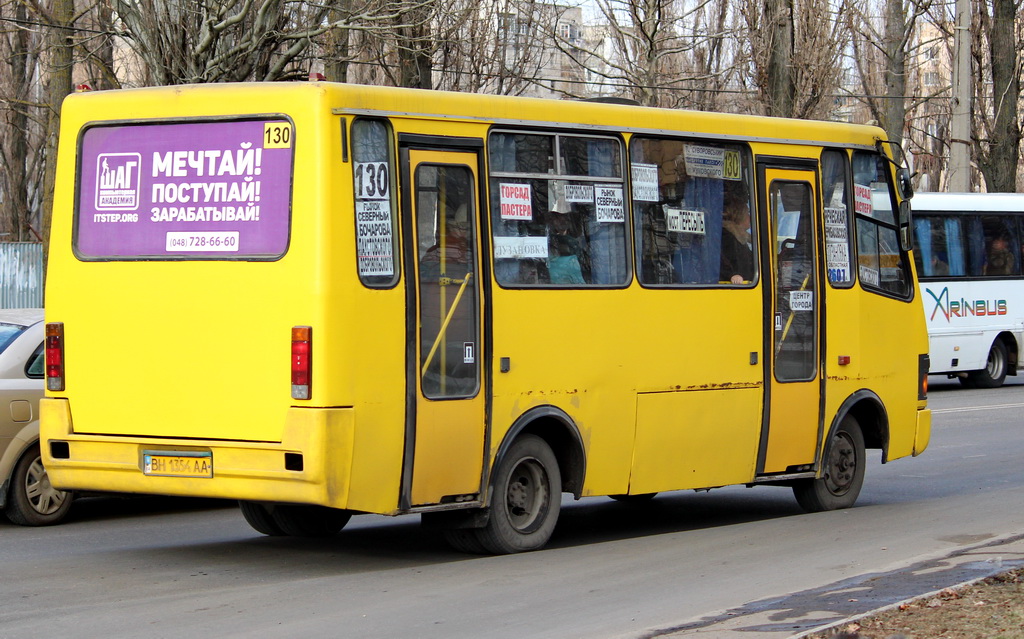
(448, 318)
(789, 320)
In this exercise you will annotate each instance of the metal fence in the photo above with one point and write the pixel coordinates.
(21, 275)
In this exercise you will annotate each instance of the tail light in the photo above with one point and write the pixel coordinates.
(55, 356)
(302, 348)
(923, 364)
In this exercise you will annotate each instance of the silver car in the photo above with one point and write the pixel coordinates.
(26, 496)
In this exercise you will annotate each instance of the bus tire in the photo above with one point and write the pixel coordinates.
(994, 373)
(33, 500)
(843, 473)
(309, 521)
(642, 498)
(527, 497)
(258, 516)
(465, 540)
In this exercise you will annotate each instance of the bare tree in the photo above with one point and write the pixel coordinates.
(182, 41)
(60, 49)
(997, 59)
(20, 183)
(197, 41)
(493, 47)
(881, 49)
(794, 54)
(669, 53)
(45, 45)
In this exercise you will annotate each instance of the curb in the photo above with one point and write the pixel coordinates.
(955, 588)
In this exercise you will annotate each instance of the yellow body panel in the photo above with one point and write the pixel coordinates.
(695, 439)
(193, 355)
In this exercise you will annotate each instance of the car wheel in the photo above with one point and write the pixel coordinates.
(34, 501)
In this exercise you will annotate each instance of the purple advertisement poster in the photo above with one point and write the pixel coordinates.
(203, 190)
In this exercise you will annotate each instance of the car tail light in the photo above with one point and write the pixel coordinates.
(302, 347)
(55, 356)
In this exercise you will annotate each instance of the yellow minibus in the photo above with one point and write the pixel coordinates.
(328, 299)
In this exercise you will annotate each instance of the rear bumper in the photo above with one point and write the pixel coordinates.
(923, 435)
(241, 470)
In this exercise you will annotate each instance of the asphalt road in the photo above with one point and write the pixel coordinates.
(734, 562)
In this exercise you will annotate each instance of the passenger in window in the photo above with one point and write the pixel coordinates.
(939, 266)
(451, 258)
(565, 251)
(737, 261)
(1000, 259)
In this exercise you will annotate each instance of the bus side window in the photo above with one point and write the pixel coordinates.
(934, 237)
(375, 207)
(558, 212)
(692, 213)
(1002, 256)
(836, 203)
(882, 265)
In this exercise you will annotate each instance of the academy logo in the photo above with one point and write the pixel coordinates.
(117, 181)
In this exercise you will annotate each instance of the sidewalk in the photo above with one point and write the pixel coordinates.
(799, 614)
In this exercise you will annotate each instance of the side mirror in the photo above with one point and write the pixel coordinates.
(903, 183)
(906, 228)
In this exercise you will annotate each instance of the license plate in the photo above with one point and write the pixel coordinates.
(177, 464)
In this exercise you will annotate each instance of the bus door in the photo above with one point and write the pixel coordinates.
(445, 422)
(790, 431)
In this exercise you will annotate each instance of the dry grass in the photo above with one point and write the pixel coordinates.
(992, 608)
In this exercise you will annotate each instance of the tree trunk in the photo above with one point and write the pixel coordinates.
(1000, 167)
(894, 113)
(14, 206)
(58, 86)
(337, 47)
(781, 85)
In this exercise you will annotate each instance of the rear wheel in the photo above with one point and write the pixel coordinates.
(994, 373)
(843, 474)
(258, 516)
(309, 521)
(33, 500)
(527, 498)
(642, 498)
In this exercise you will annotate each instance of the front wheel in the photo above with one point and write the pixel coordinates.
(33, 500)
(994, 373)
(527, 498)
(843, 474)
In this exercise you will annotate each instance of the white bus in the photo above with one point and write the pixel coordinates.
(968, 252)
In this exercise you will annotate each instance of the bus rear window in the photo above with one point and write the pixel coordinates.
(190, 190)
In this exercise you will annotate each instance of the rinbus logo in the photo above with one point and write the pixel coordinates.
(952, 309)
(117, 181)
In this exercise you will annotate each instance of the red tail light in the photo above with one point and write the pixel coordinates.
(302, 350)
(923, 364)
(55, 356)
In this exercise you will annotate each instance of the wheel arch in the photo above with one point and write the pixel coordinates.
(1012, 351)
(559, 431)
(869, 411)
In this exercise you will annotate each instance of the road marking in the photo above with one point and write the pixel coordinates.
(974, 408)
